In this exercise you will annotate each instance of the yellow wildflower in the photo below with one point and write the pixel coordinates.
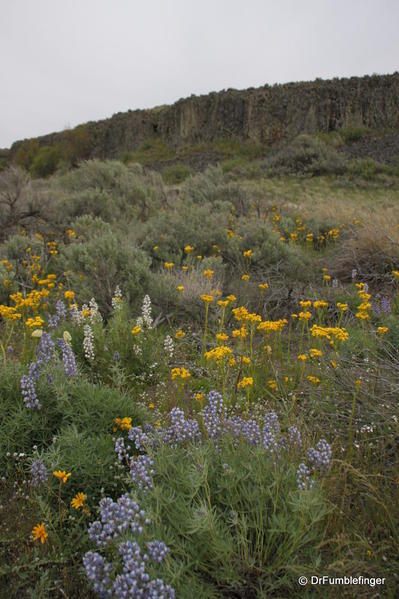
(315, 353)
(342, 307)
(245, 277)
(62, 475)
(180, 334)
(246, 381)
(305, 303)
(207, 298)
(272, 384)
(217, 354)
(124, 424)
(181, 373)
(136, 330)
(306, 315)
(78, 500)
(39, 533)
(221, 336)
(180, 288)
(320, 304)
(263, 286)
(208, 273)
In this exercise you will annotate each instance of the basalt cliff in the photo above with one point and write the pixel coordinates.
(264, 115)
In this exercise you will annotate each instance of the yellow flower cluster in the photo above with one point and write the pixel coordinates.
(218, 354)
(330, 333)
(35, 323)
(208, 273)
(319, 304)
(179, 373)
(246, 381)
(272, 325)
(9, 312)
(124, 424)
(363, 309)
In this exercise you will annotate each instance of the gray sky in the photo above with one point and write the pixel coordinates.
(64, 62)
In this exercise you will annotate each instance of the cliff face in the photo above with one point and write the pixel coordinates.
(265, 115)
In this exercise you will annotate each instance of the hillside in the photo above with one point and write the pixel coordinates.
(264, 115)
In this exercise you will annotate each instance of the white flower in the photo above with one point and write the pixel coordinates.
(88, 342)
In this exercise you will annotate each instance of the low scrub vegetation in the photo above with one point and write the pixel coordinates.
(198, 381)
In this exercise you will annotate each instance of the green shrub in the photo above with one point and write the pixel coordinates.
(45, 161)
(234, 520)
(20, 427)
(176, 173)
(353, 134)
(111, 190)
(153, 149)
(95, 266)
(305, 155)
(186, 223)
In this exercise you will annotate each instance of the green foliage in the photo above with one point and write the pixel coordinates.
(26, 153)
(110, 190)
(351, 135)
(20, 429)
(96, 265)
(185, 223)
(176, 173)
(151, 150)
(307, 156)
(234, 520)
(45, 161)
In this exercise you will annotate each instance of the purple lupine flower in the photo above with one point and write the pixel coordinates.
(116, 518)
(180, 429)
(68, 358)
(38, 472)
(270, 431)
(28, 391)
(98, 572)
(45, 349)
(141, 471)
(60, 312)
(303, 479)
(320, 457)
(294, 436)
(214, 414)
(385, 304)
(157, 550)
(134, 580)
(138, 437)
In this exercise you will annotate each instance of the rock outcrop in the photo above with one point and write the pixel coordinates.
(263, 115)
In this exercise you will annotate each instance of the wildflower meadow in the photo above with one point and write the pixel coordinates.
(198, 383)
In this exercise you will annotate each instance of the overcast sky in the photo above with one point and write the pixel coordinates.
(64, 62)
